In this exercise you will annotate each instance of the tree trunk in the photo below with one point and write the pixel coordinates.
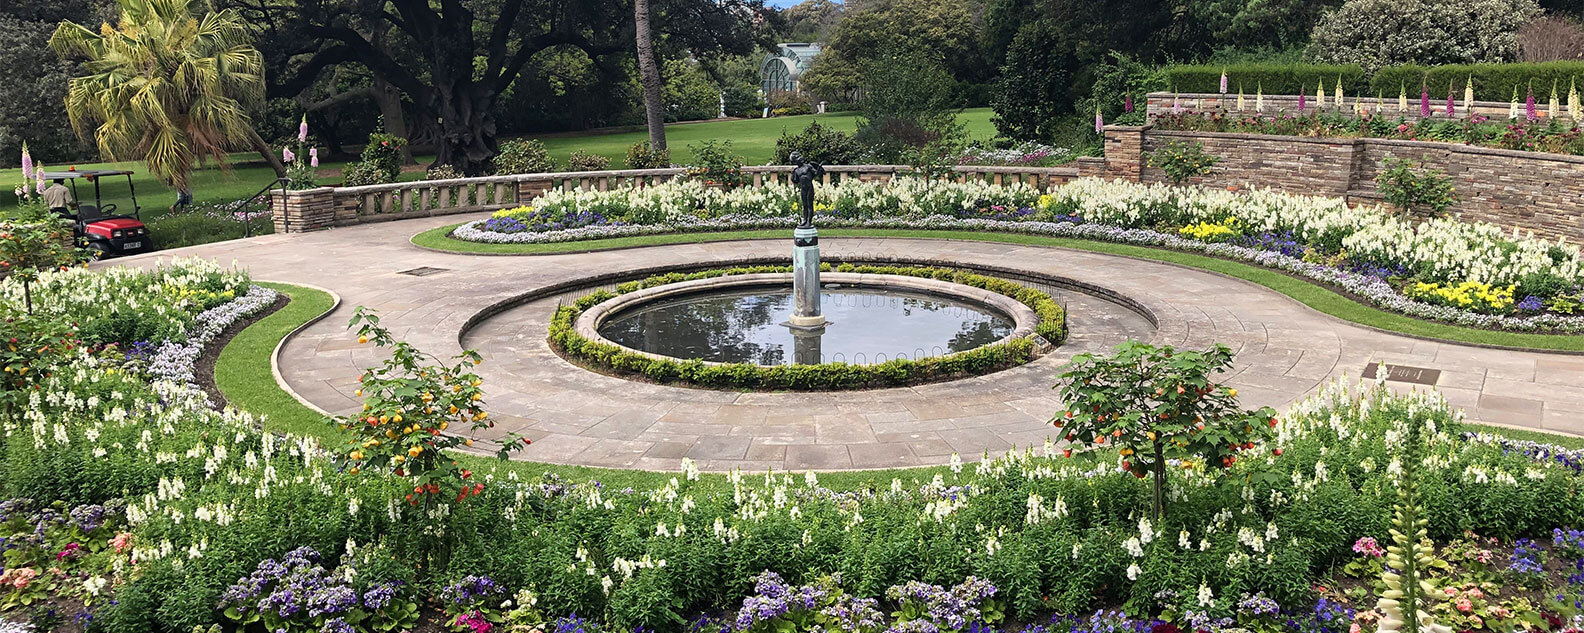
(467, 130)
(388, 98)
(649, 73)
(269, 153)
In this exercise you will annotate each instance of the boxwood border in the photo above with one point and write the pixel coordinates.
(1052, 326)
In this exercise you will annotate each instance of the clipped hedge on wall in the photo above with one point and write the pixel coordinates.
(1492, 82)
(1052, 326)
(1274, 79)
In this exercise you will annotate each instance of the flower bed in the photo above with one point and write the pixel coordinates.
(1052, 326)
(1524, 131)
(1411, 268)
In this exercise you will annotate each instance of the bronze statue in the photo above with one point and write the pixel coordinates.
(804, 177)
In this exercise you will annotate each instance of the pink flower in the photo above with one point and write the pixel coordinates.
(1529, 106)
(71, 551)
(1127, 103)
(1354, 629)
(1424, 102)
(1465, 605)
(1302, 101)
(121, 542)
(1451, 108)
(1368, 547)
(313, 157)
(302, 130)
(1099, 122)
(1474, 592)
(27, 161)
(1223, 83)
(287, 155)
(19, 578)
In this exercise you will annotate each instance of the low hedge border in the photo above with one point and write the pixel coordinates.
(1052, 326)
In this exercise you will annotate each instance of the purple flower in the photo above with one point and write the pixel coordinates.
(287, 155)
(1531, 303)
(313, 157)
(1223, 83)
(1099, 121)
(1303, 102)
(471, 590)
(1127, 103)
(1451, 106)
(1529, 106)
(302, 130)
(1424, 102)
(27, 162)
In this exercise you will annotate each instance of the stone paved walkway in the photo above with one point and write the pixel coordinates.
(1284, 351)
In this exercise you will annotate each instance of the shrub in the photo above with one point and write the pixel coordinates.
(1032, 93)
(1120, 82)
(363, 173)
(385, 152)
(1410, 187)
(909, 102)
(442, 172)
(1383, 33)
(585, 161)
(787, 103)
(1492, 82)
(1153, 404)
(817, 143)
(714, 163)
(1182, 161)
(642, 156)
(1273, 79)
(523, 156)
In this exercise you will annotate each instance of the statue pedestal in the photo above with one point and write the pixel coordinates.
(806, 280)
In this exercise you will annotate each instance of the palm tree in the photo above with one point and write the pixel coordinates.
(166, 85)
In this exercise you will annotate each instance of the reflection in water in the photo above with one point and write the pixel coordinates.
(867, 326)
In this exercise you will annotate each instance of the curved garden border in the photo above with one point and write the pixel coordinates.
(1331, 299)
(569, 340)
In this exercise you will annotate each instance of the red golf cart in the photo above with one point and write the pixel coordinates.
(99, 225)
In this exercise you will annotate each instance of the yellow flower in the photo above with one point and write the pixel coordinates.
(357, 455)
(415, 451)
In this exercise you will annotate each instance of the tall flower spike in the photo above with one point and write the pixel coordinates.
(1223, 81)
(1320, 102)
(1339, 92)
(1529, 105)
(1240, 98)
(1553, 105)
(1468, 96)
(1301, 102)
(1099, 121)
(1512, 108)
(1451, 107)
(1259, 97)
(302, 130)
(1424, 101)
(1402, 99)
(27, 161)
(1573, 107)
(1127, 103)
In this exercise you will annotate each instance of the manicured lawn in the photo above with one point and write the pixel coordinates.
(1307, 293)
(754, 139)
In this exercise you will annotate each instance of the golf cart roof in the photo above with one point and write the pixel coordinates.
(86, 173)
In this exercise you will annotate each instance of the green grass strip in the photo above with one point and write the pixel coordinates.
(244, 377)
(1315, 296)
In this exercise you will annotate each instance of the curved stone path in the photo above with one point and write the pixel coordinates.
(1284, 352)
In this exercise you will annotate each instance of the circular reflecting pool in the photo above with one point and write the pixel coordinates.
(867, 325)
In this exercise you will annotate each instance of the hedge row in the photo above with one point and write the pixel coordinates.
(1052, 325)
(1273, 79)
(1492, 82)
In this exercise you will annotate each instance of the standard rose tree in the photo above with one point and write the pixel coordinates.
(1158, 406)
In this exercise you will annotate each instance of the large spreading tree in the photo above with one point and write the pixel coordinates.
(452, 60)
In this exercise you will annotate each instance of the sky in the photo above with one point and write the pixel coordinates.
(781, 4)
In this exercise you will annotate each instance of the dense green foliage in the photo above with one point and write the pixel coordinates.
(1273, 79)
(1413, 187)
(1052, 326)
(1492, 82)
(1182, 162)
(1380, 33)
(523, 156)
(1033, 91)
(642, 156)
(816, 143)
(380, 163)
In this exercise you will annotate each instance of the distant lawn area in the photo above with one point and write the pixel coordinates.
(754, 139)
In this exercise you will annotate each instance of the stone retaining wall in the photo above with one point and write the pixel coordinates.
(1542, 193)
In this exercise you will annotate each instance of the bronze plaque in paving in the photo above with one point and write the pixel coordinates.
(423, 272)
(1404, 373)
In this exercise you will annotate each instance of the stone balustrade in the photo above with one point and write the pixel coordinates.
(326, 207)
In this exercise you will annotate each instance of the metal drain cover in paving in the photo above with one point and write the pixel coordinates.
(424, 271)
(1404, 373)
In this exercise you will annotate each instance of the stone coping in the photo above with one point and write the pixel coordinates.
(587, 325)
(1352, 140)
